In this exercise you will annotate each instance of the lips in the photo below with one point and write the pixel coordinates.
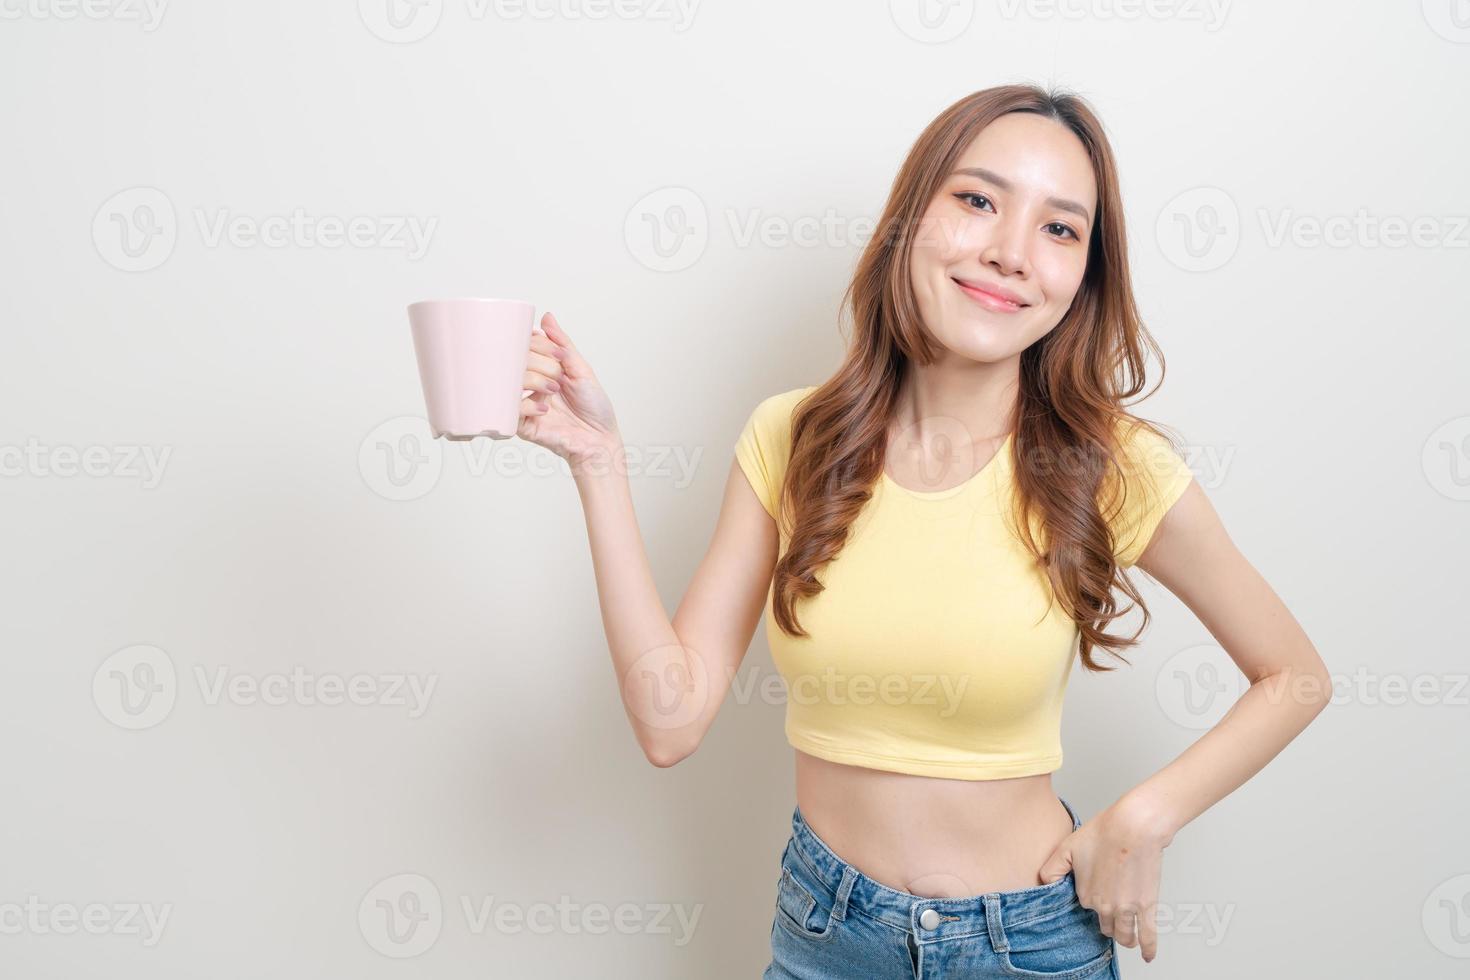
(991, 297)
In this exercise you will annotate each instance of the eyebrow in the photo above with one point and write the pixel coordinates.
(1060, 203)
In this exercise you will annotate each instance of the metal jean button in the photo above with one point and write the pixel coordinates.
(929, 919)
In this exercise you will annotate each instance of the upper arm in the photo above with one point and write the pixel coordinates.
(1192, 556)
(1169, 529)
(718, 615)
(761, 450)
(1153, 478)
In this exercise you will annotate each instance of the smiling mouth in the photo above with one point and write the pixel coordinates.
(987, 299)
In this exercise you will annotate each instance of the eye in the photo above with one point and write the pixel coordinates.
(1065, 230)
(971, 195)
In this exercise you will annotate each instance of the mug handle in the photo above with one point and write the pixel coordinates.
(535, 328)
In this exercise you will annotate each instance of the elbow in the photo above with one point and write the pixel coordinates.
(666, 755)
(1321, 689)
(1305, 692)
(1325, 698)
(1313, 690)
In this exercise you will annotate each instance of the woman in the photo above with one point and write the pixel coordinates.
(936, 533)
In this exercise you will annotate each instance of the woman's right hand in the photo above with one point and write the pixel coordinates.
(567, 411)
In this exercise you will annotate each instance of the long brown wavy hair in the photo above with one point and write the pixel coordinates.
(1073, 383)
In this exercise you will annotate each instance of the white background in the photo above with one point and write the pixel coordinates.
(300, 521)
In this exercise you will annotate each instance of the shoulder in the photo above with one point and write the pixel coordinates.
(1150, 457)
(1153, 476)
(771, 417)
(1141, 446)
(783, 402)
(764, 445)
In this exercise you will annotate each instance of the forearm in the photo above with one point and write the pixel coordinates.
(1272, 712)
(646, 652)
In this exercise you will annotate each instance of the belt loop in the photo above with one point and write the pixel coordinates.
(993, 923)
(849, 878)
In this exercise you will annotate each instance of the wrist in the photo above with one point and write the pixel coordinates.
(602, 457)
(1149, 813)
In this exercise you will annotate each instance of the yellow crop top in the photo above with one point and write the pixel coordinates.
(931, 649)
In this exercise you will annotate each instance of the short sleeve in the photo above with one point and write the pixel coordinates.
(1154, 477)
(764, 445)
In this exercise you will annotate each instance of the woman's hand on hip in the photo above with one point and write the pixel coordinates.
(1116, 860)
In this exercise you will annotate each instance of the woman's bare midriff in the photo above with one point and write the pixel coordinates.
(933, 837)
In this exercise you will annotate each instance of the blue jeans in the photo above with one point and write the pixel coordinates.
(832, 921)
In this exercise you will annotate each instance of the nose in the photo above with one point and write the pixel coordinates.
(1006, 250)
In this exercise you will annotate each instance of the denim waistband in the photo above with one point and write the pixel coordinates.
(958, 916)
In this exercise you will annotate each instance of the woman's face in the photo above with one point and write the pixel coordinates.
(1002, 247)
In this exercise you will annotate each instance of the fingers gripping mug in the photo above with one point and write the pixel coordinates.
(472, 357)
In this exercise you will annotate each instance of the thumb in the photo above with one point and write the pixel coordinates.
(554, 330)
(1057, 865)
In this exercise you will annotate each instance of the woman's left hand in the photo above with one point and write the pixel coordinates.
(1116, 859)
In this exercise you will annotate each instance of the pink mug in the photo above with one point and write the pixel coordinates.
(472, 357)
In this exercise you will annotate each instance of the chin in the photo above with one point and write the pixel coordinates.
(982, 345)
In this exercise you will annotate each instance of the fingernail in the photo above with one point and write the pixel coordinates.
(553, 386)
